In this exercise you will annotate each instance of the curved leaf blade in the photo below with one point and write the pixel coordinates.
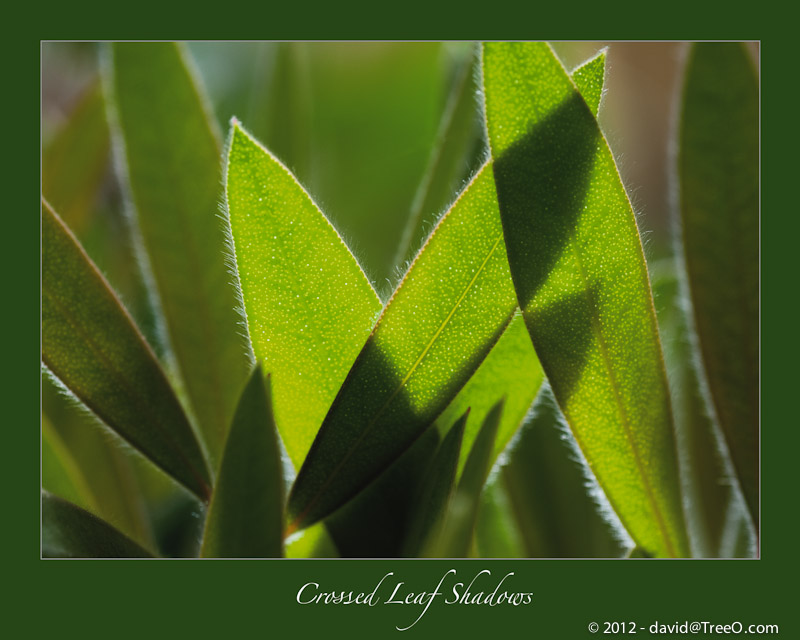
(245, 516)
(718, 167)
(308, 304)
(580, 277)
(90, 343)
(70, 532)
(170, 151)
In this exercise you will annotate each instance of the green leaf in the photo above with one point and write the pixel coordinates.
(552, 494)
(580, 277)
(453, 539)
(90, 343)
(429, 351)
(497, 533)
(436, 490)
(112, 473)
(171, 153)
(589, 79)
(449, 162)
(511, 371)
(60, 473)
(387, 504)
(718, 168)
(70, 532)
(309, 306)
(75, 161)
(245, 516)
(451, 308)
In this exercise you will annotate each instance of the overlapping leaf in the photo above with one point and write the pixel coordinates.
(718, 169)
(171, 154)
(420, 355)
(245, 516)
(70, 532)
(580, 277)
(309, 306)
(91, 344)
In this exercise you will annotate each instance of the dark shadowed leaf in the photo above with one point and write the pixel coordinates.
(580, 277)
(70, 532)
(90, 343)
(170, 152)
(436, 490)
(718, 170)
(245, 516)
(452, 538)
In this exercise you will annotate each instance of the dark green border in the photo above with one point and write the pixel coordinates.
(232, 599)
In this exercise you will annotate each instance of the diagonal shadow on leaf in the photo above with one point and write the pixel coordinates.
(566, 325)
(531, 178)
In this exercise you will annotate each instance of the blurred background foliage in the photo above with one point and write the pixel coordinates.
(358, 124)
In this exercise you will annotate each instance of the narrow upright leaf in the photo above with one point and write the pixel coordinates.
(309, 306)
(580, 277)
(245, 517)
(91, 344)
(449, 160)
(60, 473)
(436, 489)
(454, 539)
(165, 139)
(70, 532)
(718, 169)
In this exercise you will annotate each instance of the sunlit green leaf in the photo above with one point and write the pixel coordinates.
(171, 153)
(70, 532)
(435, 490)
(453, 539)
(580, 277)
(245, 516)
(309, 306)
(589, 78)
(497, 533)
(91, 344)
(718, 169)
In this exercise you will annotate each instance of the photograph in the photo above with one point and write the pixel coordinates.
(401, 300)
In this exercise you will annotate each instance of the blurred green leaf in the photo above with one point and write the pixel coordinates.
(435, 490)
(245, 516)
(171, 153)
(497, 533)
(450, 160)
(309, 306)
(453, 538)
(718, 168)
(91, 344)
(60, 473)
(451, 308)
(549, 490)
(70, 532)
(580, 277)
(75, 161)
